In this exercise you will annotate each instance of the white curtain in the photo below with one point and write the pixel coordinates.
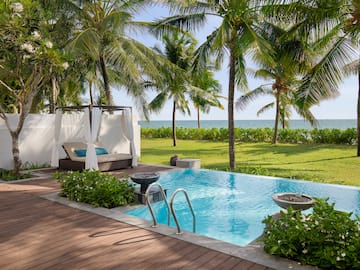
(129, 134)
(91, 132)
(56, 145)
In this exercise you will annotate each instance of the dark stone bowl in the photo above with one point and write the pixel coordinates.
(145, 178)
(296, 200)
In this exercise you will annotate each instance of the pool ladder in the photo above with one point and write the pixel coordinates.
(147, 199)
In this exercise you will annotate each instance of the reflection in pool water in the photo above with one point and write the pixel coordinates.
(231, 206)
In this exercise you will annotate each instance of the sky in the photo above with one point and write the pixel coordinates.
(342, 107)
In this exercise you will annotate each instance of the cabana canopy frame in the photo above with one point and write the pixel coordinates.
(92, 126)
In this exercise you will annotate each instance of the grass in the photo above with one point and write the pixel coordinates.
(322, 163)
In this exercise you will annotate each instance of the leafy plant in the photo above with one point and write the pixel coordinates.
(8, 175)
(323, 136)
(327, 238)
(32, 166)
(96, 188)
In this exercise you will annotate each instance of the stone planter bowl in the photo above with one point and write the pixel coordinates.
(296, 200)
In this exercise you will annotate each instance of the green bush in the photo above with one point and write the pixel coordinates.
(96, 188)
(325, 136)
(327, 238)
(8, 175)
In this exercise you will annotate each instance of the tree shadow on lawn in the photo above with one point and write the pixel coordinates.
(291, 149)
(182, 153)
(257, 169)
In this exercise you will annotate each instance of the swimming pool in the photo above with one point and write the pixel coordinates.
(231, 206)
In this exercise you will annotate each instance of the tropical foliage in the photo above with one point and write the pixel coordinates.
(306, 48)
(28, 59)
(336, 26)
(314, 136)
(327, 238)
(235, 35)
(96, 188)
(103, 41)
(181, 81)
(289, 60)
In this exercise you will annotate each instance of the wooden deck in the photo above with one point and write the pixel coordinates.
(39, 234)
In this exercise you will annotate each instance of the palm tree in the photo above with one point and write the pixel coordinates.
(336, 26)
(205, 81)
(179, 49)
(104, 38)
(289, 59)
(235, 35)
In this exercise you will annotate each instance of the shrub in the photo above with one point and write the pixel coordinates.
(98, 189)
(327, 238)
(8, 175)
(326, 136)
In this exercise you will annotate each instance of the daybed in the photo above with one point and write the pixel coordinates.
(106, 162)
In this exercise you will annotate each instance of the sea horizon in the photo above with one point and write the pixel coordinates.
(293, 124)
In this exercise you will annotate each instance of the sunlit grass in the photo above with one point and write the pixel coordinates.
(322, 163)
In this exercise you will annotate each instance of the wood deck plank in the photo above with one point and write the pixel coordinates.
(39, 234)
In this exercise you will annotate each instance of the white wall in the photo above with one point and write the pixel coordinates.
(37, 136)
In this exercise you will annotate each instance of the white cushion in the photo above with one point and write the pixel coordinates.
(71, 146)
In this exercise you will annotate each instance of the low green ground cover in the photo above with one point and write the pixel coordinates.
(96, 188)
(327, 238)
(317, 162)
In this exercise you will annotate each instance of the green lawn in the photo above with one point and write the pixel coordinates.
(322, 163)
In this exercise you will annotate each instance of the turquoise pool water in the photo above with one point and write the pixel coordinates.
(231, 206)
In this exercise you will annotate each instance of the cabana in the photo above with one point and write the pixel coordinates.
(86, 151)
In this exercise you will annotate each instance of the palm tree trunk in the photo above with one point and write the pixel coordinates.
(274, 140)
(198, 117)
(231, 92)
(106, 81)
(91, 94)
(174, 124)
(358, 116)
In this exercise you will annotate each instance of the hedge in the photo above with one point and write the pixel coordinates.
(318, 136)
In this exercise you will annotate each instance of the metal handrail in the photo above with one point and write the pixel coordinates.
(173, 212)
(149, 204)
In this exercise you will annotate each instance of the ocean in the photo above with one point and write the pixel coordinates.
(294, 124)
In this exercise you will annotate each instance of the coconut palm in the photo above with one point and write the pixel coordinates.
(104, 37)
(179, 50)
(235, 35)
(289, 60)
(336, 24)
(205, 80)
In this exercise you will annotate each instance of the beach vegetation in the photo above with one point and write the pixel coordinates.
(28, 58)
(102, 39)
(96, 188)
(290, 59)
(182, 82)
(336, 25)
(251, 135)
(327, 238)
(236, 34)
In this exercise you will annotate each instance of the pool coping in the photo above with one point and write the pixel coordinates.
(252, 252)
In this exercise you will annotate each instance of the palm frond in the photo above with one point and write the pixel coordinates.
(245, 99)
(202, 54)
(323, 80)
(86, 43)
(265, 108)
(157, 103)
(189, 22)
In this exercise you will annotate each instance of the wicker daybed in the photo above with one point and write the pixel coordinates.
(106, 162)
